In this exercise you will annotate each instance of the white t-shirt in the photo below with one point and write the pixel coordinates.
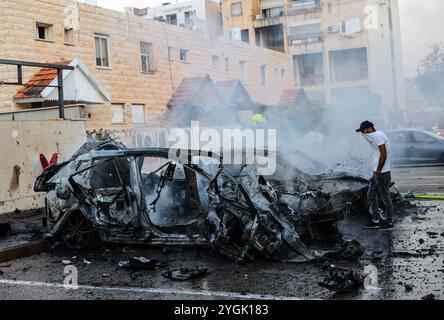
(376, 139)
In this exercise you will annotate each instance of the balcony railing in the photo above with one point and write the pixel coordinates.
(306, 38)
(262, 21)
(298, 7)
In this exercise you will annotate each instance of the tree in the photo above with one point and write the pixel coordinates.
(430, 79)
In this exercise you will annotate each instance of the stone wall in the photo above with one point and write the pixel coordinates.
(123, 79)
(22, 142)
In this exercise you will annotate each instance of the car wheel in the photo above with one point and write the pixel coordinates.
(79, 233)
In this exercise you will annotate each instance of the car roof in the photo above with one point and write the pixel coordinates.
(430, 134)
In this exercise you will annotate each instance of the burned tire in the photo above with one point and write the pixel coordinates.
(79, 234)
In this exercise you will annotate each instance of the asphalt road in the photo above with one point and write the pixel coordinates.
(408, 262)
(419, 179)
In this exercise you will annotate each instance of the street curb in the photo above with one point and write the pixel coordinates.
(23, 250)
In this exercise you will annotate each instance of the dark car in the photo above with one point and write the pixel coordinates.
(416, 147)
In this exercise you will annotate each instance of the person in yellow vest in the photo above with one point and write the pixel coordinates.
(258, 118)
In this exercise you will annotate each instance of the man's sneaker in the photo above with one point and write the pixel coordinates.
(372, 225)
(387, 226)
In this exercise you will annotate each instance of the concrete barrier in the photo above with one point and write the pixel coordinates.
(21, 143)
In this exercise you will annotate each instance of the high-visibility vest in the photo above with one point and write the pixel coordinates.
(258, 118)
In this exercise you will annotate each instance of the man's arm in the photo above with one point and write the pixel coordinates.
(382, 158)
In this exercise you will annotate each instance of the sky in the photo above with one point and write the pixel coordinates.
(422, 24)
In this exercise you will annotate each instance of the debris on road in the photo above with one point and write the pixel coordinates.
(408, 287)
(5, 228)
(140, 263)
(349, 251)
(184, 274)
(342, 280)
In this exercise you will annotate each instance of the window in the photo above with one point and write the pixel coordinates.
(242, 67)
(351, 26)
(117, 113)
(283, 73)
(273, 12)
(183, 55)
(227, 64)
(422, 138)
(138, 113)
(263, 75)
(147, 57)
(245, 36)
(171, 19)
(44, 31)
(311, 32)
(170, 53)
(69, 36)
(101, 42)
(349, 65)
(399, 137)
(189, 17)
(236, 9)
(215, 60)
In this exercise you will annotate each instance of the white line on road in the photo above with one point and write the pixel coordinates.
(204, 293)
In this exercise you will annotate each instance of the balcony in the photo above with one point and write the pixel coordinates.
(303, 6)
(305, 39)
(262, 21)
(269, 17)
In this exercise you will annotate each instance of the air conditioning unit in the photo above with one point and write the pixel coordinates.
(260, 17)
(332, 29)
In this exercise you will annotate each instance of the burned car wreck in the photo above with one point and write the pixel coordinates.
(160, 196)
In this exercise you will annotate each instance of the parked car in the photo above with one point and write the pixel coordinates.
(416, 147)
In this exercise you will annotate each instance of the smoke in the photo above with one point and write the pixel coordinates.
(421, 26)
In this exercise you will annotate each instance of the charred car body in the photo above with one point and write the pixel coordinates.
(161, 196)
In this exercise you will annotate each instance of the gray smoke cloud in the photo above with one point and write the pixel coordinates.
(421, 25)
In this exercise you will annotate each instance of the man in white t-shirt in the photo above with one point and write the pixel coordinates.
(380, 182)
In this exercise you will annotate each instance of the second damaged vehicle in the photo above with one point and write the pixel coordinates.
(108, 193)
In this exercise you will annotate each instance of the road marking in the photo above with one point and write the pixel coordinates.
(204, 293)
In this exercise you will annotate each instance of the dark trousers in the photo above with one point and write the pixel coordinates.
(380, 185)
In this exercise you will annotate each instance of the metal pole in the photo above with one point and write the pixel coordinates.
(19, 74)
(61, 98)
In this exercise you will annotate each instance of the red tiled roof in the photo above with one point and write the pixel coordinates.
(34, 87)
(186, 91)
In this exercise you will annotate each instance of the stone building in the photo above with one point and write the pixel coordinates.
(342, 51)
(137, 63)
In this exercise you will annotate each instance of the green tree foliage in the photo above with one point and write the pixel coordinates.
(430, 79)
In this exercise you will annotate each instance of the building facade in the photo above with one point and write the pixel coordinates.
(139, 62)
(203, 16)
(342, 50)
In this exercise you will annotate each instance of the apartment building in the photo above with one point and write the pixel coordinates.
(204, 16)
(343, 51)
(131, 66)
